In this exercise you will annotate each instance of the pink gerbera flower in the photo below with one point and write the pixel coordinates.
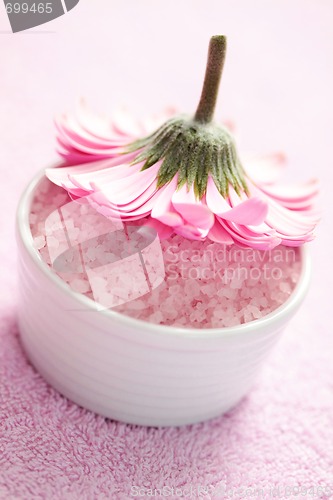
(184, 175)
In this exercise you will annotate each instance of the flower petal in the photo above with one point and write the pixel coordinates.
(295, 197)
(286, 221)
(124, 124)
(191, 232)
(251, 211)
(195, 212)
(242, 234)
(79, 143)
(71, 127)
(265, 169)
(220, 235)
(162, 230)
(96, 124)
(127, 188)
(104, 177)
(164, 210)
(111, 169)
(139, 207)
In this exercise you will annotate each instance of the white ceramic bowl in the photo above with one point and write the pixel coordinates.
(130, 370)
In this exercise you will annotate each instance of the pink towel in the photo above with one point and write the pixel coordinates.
(279, 439)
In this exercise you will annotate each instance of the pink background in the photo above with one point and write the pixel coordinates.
(277, 88)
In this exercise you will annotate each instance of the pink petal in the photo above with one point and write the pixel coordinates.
(124, 123)
(139, 207)
(162, 230)
(95, 124)
(285, 221)
(76, 193)
(291, 242)
(288, 222)
(261, 229)
(104, 177)
(295, 197)
(110, 168)
(245, 236)
(80, 143)
(73, 129)
(251, 211)
(163, 210)
(77, 158)
(126, 189)
(102, 206)
(143, 203)
(219, 234)
(191, 232)
(195, 212)
(266, 169)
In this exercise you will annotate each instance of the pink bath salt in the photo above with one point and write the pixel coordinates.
(176, 282)
(39, 242)
(80, 285)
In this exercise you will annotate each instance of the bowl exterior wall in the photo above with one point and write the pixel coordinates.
(130, 370)
(126, 373)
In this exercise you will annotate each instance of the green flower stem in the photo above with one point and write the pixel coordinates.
(192, 147)
(215, 62)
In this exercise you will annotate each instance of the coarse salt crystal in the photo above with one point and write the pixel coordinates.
(80, 285)
(39, 242)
